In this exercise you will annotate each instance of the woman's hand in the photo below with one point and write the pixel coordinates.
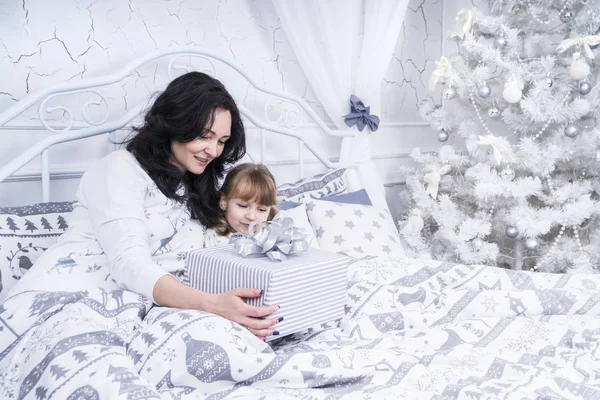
(231, 305)
(169, 292)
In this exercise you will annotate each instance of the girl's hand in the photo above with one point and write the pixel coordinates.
(231, 305)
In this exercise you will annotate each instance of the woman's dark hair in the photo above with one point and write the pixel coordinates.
(182, 113)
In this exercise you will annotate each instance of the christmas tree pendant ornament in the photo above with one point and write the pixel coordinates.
(512, 93)
(566, 16)
(511, 231)
(500, 42)
(494, 111)
(585, 88)
(532, 244)
(484, 91)
(549, 81)
(579, 69)
(571, 130)
(443, 136)
(507, 174)
(449, 93)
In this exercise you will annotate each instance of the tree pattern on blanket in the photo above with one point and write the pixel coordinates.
(420, 330)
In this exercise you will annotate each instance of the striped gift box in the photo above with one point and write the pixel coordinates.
(309, 287)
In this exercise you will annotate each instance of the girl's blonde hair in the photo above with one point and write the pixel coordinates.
(247, 182)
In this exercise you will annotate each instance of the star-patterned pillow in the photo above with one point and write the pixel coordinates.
(353, 229)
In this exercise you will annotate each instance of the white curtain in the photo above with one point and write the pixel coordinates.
(344, 48)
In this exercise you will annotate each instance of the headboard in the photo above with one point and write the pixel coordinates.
(86, 108)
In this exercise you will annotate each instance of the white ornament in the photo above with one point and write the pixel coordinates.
(532, 244)
(484, 91)
(464, 24)
(449, 93)
(571, 130)
(443, 136)
(500, 42)
(512, 231)
(499, 145)
(549, 82)
(507, 174)
(446, 169)
(477, 243)
(513, 92)
(443, 67)
(579, 69)
(494, 112)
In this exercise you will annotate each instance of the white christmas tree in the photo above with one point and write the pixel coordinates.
(516, 181)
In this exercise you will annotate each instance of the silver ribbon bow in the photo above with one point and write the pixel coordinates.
(276, 239)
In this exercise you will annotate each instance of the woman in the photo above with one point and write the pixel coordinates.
(141, 208)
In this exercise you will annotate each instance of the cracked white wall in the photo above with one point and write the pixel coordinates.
(46, 43)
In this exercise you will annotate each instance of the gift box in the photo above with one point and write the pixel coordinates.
(309, 286)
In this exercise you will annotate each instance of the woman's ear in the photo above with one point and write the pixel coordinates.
(223, 203)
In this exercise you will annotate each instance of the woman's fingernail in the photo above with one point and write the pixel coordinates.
(261, 291)
(279, 319)
(275, 333)
(278, 307)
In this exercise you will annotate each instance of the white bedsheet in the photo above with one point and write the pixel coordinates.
(412, 329)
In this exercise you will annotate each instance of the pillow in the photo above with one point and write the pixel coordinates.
(353, 229)
(298, 214)
(358, 197)
(317, 186)
(25, 233)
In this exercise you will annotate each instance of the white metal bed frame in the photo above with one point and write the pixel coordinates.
(354, 151)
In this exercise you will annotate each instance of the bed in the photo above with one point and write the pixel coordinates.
(416, 329)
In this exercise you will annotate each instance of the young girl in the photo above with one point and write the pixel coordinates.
(248, 195)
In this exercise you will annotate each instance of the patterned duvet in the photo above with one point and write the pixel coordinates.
(412, 329)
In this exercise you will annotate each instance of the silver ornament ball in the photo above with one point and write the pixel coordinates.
(500, 42)
(566, 16)
(512, 231)
(449, 93)
(507, 174)
(443, 136)
(585, 88)
(494, 112)
(571, 130)
(549, 82)
(484, 91)
(532, 244)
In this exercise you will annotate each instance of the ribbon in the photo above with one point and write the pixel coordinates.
(413, 226)
(433, 178)
(584, 41)
(464, 24)
(276, 239)
(360, 115)
(498, 145)
(443, 67)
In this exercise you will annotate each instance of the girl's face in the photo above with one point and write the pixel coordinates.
(195, 155)
(240, 213)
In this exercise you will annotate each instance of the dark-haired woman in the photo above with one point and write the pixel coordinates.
(140, 208)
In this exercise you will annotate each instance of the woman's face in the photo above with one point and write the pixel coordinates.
(195, 155)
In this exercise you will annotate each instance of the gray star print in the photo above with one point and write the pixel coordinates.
(358, 213)
(310, 205)
(376, 225)
(386, 249)
(349, 224)
(369, 236)
(338, 239)
(319, 232)
(329, 213)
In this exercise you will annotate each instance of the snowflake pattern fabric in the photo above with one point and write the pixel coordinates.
(412, 329)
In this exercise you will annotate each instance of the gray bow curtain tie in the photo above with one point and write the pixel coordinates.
(360, 115)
